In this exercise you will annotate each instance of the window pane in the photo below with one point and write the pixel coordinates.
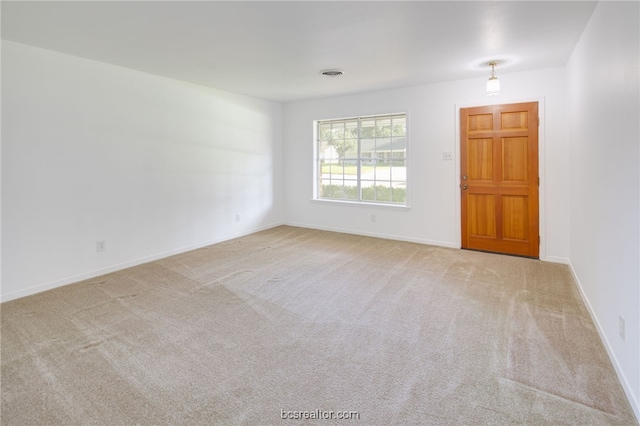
(383, 145)
(382, 171)
(398, 173)
(326, 151)
(399, 144)
(336, 191)
(399, 192)
(399, 125)
(351, 189)
(351, 129)
(368, 128)
(324, 131)
(351, 148)
(383, 192)
(368, 190)
(383, 127)
(323, 170)
(323, 190)
(337, 131)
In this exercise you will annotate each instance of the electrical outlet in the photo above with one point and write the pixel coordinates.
(621, 326)
(373, 218)
(101, 246)
(237, 218)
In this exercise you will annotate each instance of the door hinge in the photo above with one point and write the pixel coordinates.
(538, 181)
(538, 121)
(539, 240)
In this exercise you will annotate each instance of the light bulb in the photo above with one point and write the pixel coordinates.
(493, 86)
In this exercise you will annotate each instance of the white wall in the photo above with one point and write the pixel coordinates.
(150, 165)
(604, 79)
(434, 213)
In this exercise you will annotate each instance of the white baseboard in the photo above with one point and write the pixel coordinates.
(113, 268)
(633, 399)
(376, 235)
(555, 259)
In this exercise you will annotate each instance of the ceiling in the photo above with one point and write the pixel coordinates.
(275, 50)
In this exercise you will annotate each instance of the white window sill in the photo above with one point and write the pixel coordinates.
(361, 204)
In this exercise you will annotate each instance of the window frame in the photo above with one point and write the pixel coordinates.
(373, 156)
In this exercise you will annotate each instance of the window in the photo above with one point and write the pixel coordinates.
(362, 159)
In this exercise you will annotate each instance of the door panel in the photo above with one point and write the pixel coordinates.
(483, 215)
(514, 120)
(515, 217)
(499, 182)
(514, 159)
(480, 122)
(480, 159)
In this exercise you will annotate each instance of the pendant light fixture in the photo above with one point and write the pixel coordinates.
(493, 84)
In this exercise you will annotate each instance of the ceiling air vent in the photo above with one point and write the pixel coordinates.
(331, 73)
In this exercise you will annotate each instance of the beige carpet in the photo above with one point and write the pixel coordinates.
(302, 320)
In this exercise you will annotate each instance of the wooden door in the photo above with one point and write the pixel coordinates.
(499, 178)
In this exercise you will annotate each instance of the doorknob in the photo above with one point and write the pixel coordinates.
(465, 186)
